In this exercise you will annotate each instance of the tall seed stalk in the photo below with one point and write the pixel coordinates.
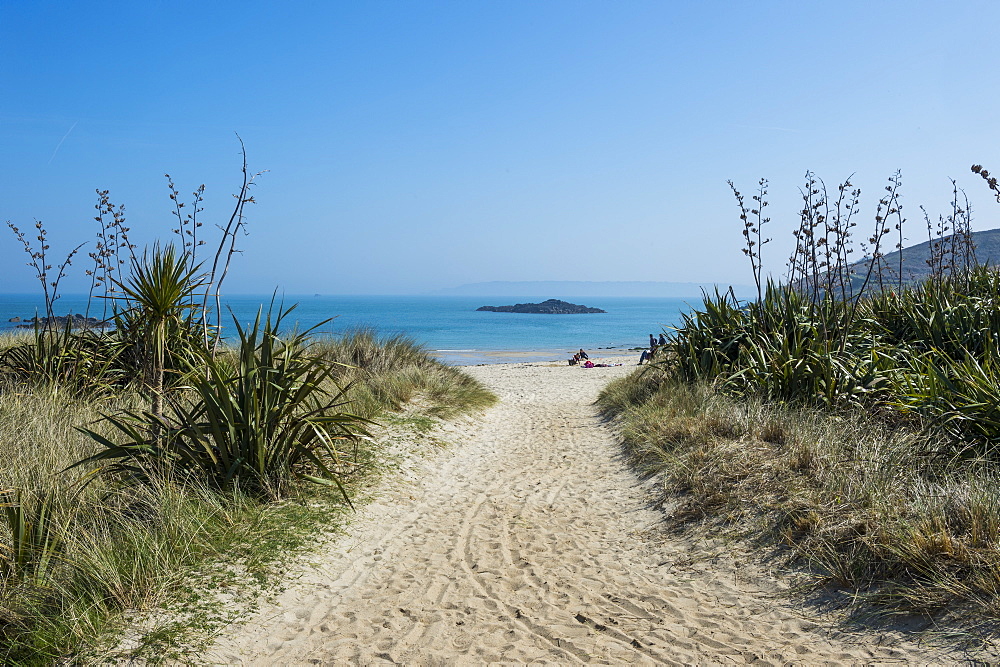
(753, 226)
(224, 255)
(112, 237)
(40, 263)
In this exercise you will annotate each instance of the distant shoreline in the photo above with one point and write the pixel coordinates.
(561, 357)
(449, 324)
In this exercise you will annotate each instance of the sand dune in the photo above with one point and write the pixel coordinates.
(529, 541)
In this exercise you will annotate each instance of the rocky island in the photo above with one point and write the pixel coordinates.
(76, 321)
(548, 307)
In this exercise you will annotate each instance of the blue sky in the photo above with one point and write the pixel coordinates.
(412, 146)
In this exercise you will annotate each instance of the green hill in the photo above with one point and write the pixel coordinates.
(915, 266)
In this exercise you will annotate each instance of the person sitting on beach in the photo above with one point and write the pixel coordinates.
(652, 341)
(582, 355)
(575, 360)
(663, 340)
(646, 354)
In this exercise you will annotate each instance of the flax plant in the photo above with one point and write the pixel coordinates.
(273, 414)
(160, 293)
(112, 238)
(39, 258)
(78, 362)
(34, 537)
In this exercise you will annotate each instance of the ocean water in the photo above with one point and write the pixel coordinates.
(448, 325)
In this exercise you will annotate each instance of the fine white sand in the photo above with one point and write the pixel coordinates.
(528, 540)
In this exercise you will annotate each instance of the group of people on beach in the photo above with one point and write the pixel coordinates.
(582, 359)
(654, 344)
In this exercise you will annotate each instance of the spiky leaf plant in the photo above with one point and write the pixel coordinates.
(271, 414)
(159, 321)
(83, 362)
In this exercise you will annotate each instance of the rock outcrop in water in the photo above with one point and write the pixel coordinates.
(549, 307)
(76, 321)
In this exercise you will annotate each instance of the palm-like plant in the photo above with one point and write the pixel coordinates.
(273, 413)
(160, 320)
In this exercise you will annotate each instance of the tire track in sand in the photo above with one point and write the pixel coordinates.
(529, 541)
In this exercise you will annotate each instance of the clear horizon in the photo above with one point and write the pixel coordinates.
(418, 147)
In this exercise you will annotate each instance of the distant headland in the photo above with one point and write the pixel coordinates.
(582, 288)
(547, 307)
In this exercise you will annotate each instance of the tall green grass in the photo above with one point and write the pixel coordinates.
(928, 353)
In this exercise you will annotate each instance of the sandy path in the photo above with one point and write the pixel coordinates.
(529, 541)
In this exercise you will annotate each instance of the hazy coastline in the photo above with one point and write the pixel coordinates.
(558, 357)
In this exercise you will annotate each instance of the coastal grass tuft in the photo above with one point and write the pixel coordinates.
(364, 358)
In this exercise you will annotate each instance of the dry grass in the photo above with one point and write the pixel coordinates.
(391, 371)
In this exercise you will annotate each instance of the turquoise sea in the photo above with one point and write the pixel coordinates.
(448, 325)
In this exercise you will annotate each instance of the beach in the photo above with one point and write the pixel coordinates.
(552, 356)
(527, 539)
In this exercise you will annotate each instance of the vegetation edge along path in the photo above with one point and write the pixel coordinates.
(529, 540)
